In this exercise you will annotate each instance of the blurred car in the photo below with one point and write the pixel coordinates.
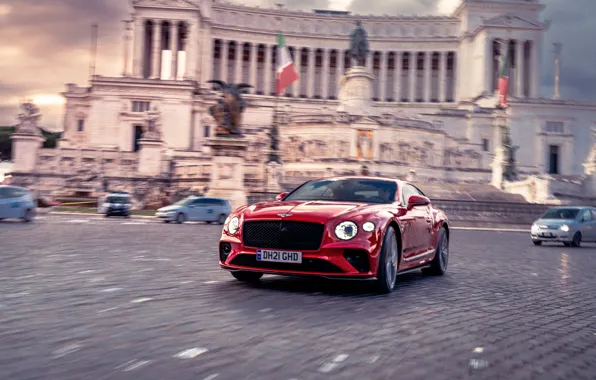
(200, 209)
(16, 203)
(118, 203)
(568, 225)
(341, 227)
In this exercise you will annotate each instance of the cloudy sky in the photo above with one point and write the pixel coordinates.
(45, 44)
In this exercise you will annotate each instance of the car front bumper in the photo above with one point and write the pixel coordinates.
(349, 260)
(551, 235)
(117, 211)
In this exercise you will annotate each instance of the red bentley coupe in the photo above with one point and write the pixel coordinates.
(344, 227)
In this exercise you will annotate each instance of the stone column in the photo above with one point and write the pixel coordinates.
(239, 58)
(267, 70)
(139, 45)
(454, 87)
(227, 171)
(340, 70)
(427, 75)
(206, 66)
(155, 68)
(225, 46)
(442, 76)
(297, 62)
(369, 61)
(534, 70)
(412, 84)
(191, 47)
(254, 50)
(311, 73)
(174, 44)
(383, 76)
(488, 66)
(126, 44)
(397, 75)
(325, 75)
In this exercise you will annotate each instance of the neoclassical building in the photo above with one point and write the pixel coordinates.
(432, 93)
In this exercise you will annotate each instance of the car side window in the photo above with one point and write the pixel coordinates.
(586, 215)
(593, 214)
(3, 193)
(200, 202)
(407, 192)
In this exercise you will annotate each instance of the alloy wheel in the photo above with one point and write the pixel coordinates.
(444, 252)
(391, 261)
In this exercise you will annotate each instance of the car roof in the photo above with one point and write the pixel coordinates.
(12, 187)
(362, 177)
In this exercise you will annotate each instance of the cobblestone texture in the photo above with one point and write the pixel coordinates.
(95, 298)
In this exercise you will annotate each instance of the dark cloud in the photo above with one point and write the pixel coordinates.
(45, 43)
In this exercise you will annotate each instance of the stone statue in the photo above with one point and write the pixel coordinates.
(510, 172)
(153, 126)
(28, 119)
(274, 144)
(358, 45)
(229, 108)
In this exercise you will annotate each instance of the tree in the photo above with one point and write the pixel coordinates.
(51, 140)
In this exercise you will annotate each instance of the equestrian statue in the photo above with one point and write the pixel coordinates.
(229, 108)
(359, 45)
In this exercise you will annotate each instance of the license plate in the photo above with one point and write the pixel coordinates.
(546, 235)
(279, 256)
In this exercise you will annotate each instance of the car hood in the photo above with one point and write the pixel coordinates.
(311, 210)
(169, 208)
(556, 223)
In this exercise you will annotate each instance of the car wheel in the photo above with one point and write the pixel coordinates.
(106, 215)
(247, 276)
(537, 242)
(577, 240)
(166, 221)
(180, 218)
(388, 263)
(28, 216)
(222, 219)
(567, 244)
(438, 266)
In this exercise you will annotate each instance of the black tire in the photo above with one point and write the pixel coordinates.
(438, 266)
(180, 218)
(28, 216)
(567, 244)
(166, 221)
(247, 276)
(106, 215)
(222, 219)
(537, 242)
(577, 240)
(390, 254)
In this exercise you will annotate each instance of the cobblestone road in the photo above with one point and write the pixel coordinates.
(93, 298)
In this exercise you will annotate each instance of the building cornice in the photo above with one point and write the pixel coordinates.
(497, 6)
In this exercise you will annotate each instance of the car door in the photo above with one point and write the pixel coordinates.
(3, 202)
(210, 209)
(586, 226)
(415, 225)
(13, 203)
(426, 231)
(196, 209)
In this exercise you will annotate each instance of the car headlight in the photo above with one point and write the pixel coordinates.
(368, 226)
(233, 225)
(564, 228)
(346, 230)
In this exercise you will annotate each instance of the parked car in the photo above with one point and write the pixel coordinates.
(118, 203)
(193, 208)
(342, 227)
(568, 225)
(16, 203)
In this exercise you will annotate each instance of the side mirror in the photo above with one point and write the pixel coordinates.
(417, 200)
(281, 196)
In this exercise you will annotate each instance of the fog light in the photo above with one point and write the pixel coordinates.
(224, 251)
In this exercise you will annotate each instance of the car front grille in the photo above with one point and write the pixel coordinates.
(307, 265)
(281, 234)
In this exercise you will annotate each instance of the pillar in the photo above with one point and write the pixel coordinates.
(534, 70)
(254, 50)
(174, 48)
(488, 66)
(267, 70)
(225, 46)
(383, 76)
(519, 68)
(206, 66)
(311, 72)
(238, 60)
(126, 45)
(156, 42)
(427, 75)
(442, 76)
(412, 84)
(139, 44)
(325, 75)
(297, 62)
(340, 70)
(397, 75)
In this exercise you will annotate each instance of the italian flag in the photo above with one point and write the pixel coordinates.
(504, 79)
(286, 71)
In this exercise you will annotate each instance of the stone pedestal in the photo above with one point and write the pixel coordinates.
(274, 177)
(355, 93)
(227, 171)
(498, 168)
(25, 148)
(150, 157)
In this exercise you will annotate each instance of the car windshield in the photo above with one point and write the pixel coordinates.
(182, 202)
(116, 199)
(561, 213)
(346, 190)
